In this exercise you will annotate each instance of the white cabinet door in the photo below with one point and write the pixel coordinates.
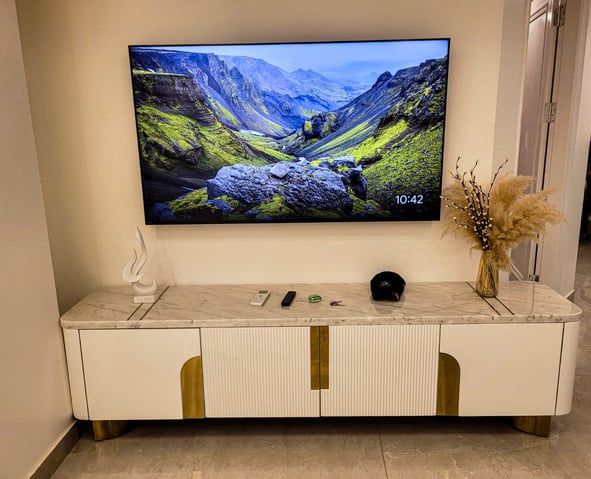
(387, 370)
(505, 369)
(258, 372)
(135, 373)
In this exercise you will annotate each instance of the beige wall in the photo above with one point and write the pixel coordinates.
(35, 406)
(79, 84)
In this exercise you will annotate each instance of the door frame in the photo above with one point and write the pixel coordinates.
(567, 149)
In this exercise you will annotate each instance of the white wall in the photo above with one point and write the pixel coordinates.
(79, 84)
(511, 84)
(35, 406)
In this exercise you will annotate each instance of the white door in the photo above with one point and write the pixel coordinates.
(382, 370)
(136, 373)
(539, 109)
(258, 372)
(505, 369)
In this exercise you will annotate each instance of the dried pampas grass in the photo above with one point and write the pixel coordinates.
(497, 219)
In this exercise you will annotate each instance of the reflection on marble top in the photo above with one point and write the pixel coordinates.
(229, 306)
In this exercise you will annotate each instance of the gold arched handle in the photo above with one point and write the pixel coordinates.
(192, 389)
(448, 386)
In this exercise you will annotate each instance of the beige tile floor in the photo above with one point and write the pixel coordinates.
(401, 448)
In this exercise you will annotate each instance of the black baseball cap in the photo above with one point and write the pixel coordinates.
(387, 285)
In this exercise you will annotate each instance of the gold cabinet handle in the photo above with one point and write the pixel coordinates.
(319, 357)
(192, 389)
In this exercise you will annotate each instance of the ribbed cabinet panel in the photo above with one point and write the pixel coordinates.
(387, 370)
(258, 372)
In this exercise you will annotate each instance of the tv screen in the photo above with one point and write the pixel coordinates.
(291, 132)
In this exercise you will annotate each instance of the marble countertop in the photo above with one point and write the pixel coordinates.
(202, 306)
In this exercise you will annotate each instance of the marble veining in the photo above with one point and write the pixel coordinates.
(228, 306)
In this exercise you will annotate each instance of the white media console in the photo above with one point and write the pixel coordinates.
(204, 352)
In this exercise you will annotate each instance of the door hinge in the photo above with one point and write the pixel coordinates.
(558, 15)
(550, 112)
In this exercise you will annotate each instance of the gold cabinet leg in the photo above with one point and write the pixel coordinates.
(109, 429)
(537, 425)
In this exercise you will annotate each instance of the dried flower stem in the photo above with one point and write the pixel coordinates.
(476, 210)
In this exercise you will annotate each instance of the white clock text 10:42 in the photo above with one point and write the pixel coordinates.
(409, 199)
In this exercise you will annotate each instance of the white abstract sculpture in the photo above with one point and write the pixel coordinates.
(132, 273)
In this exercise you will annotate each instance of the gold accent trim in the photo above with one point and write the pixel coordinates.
(192, 389)
(319, 368)
(324, 356)
(314, 358)
(448, 386)
(537, 425)
(109, 429)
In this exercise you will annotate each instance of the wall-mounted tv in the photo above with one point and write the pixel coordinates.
(291, 132)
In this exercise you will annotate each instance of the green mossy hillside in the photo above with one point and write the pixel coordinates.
(410, 167)
(168, 140)
(221, 148)
(338, 145)
(266, 145)
(223, 113)
(374, 145)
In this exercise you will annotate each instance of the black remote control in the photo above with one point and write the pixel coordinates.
(288, 299)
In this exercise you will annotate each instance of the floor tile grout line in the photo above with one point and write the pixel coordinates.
(382, 450)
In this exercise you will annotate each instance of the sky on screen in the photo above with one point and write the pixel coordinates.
(325, 56)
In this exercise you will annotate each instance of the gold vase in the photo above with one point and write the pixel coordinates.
(487, 281)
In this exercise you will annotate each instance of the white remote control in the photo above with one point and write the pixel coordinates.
(260, 298)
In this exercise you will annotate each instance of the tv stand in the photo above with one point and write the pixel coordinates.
(204, 352)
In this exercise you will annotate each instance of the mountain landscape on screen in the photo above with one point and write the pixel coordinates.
(236, 138)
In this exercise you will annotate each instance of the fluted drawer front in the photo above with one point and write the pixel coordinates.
(382, 371)
(258, 372)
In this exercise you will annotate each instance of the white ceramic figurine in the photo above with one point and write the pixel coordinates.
(132, 273)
